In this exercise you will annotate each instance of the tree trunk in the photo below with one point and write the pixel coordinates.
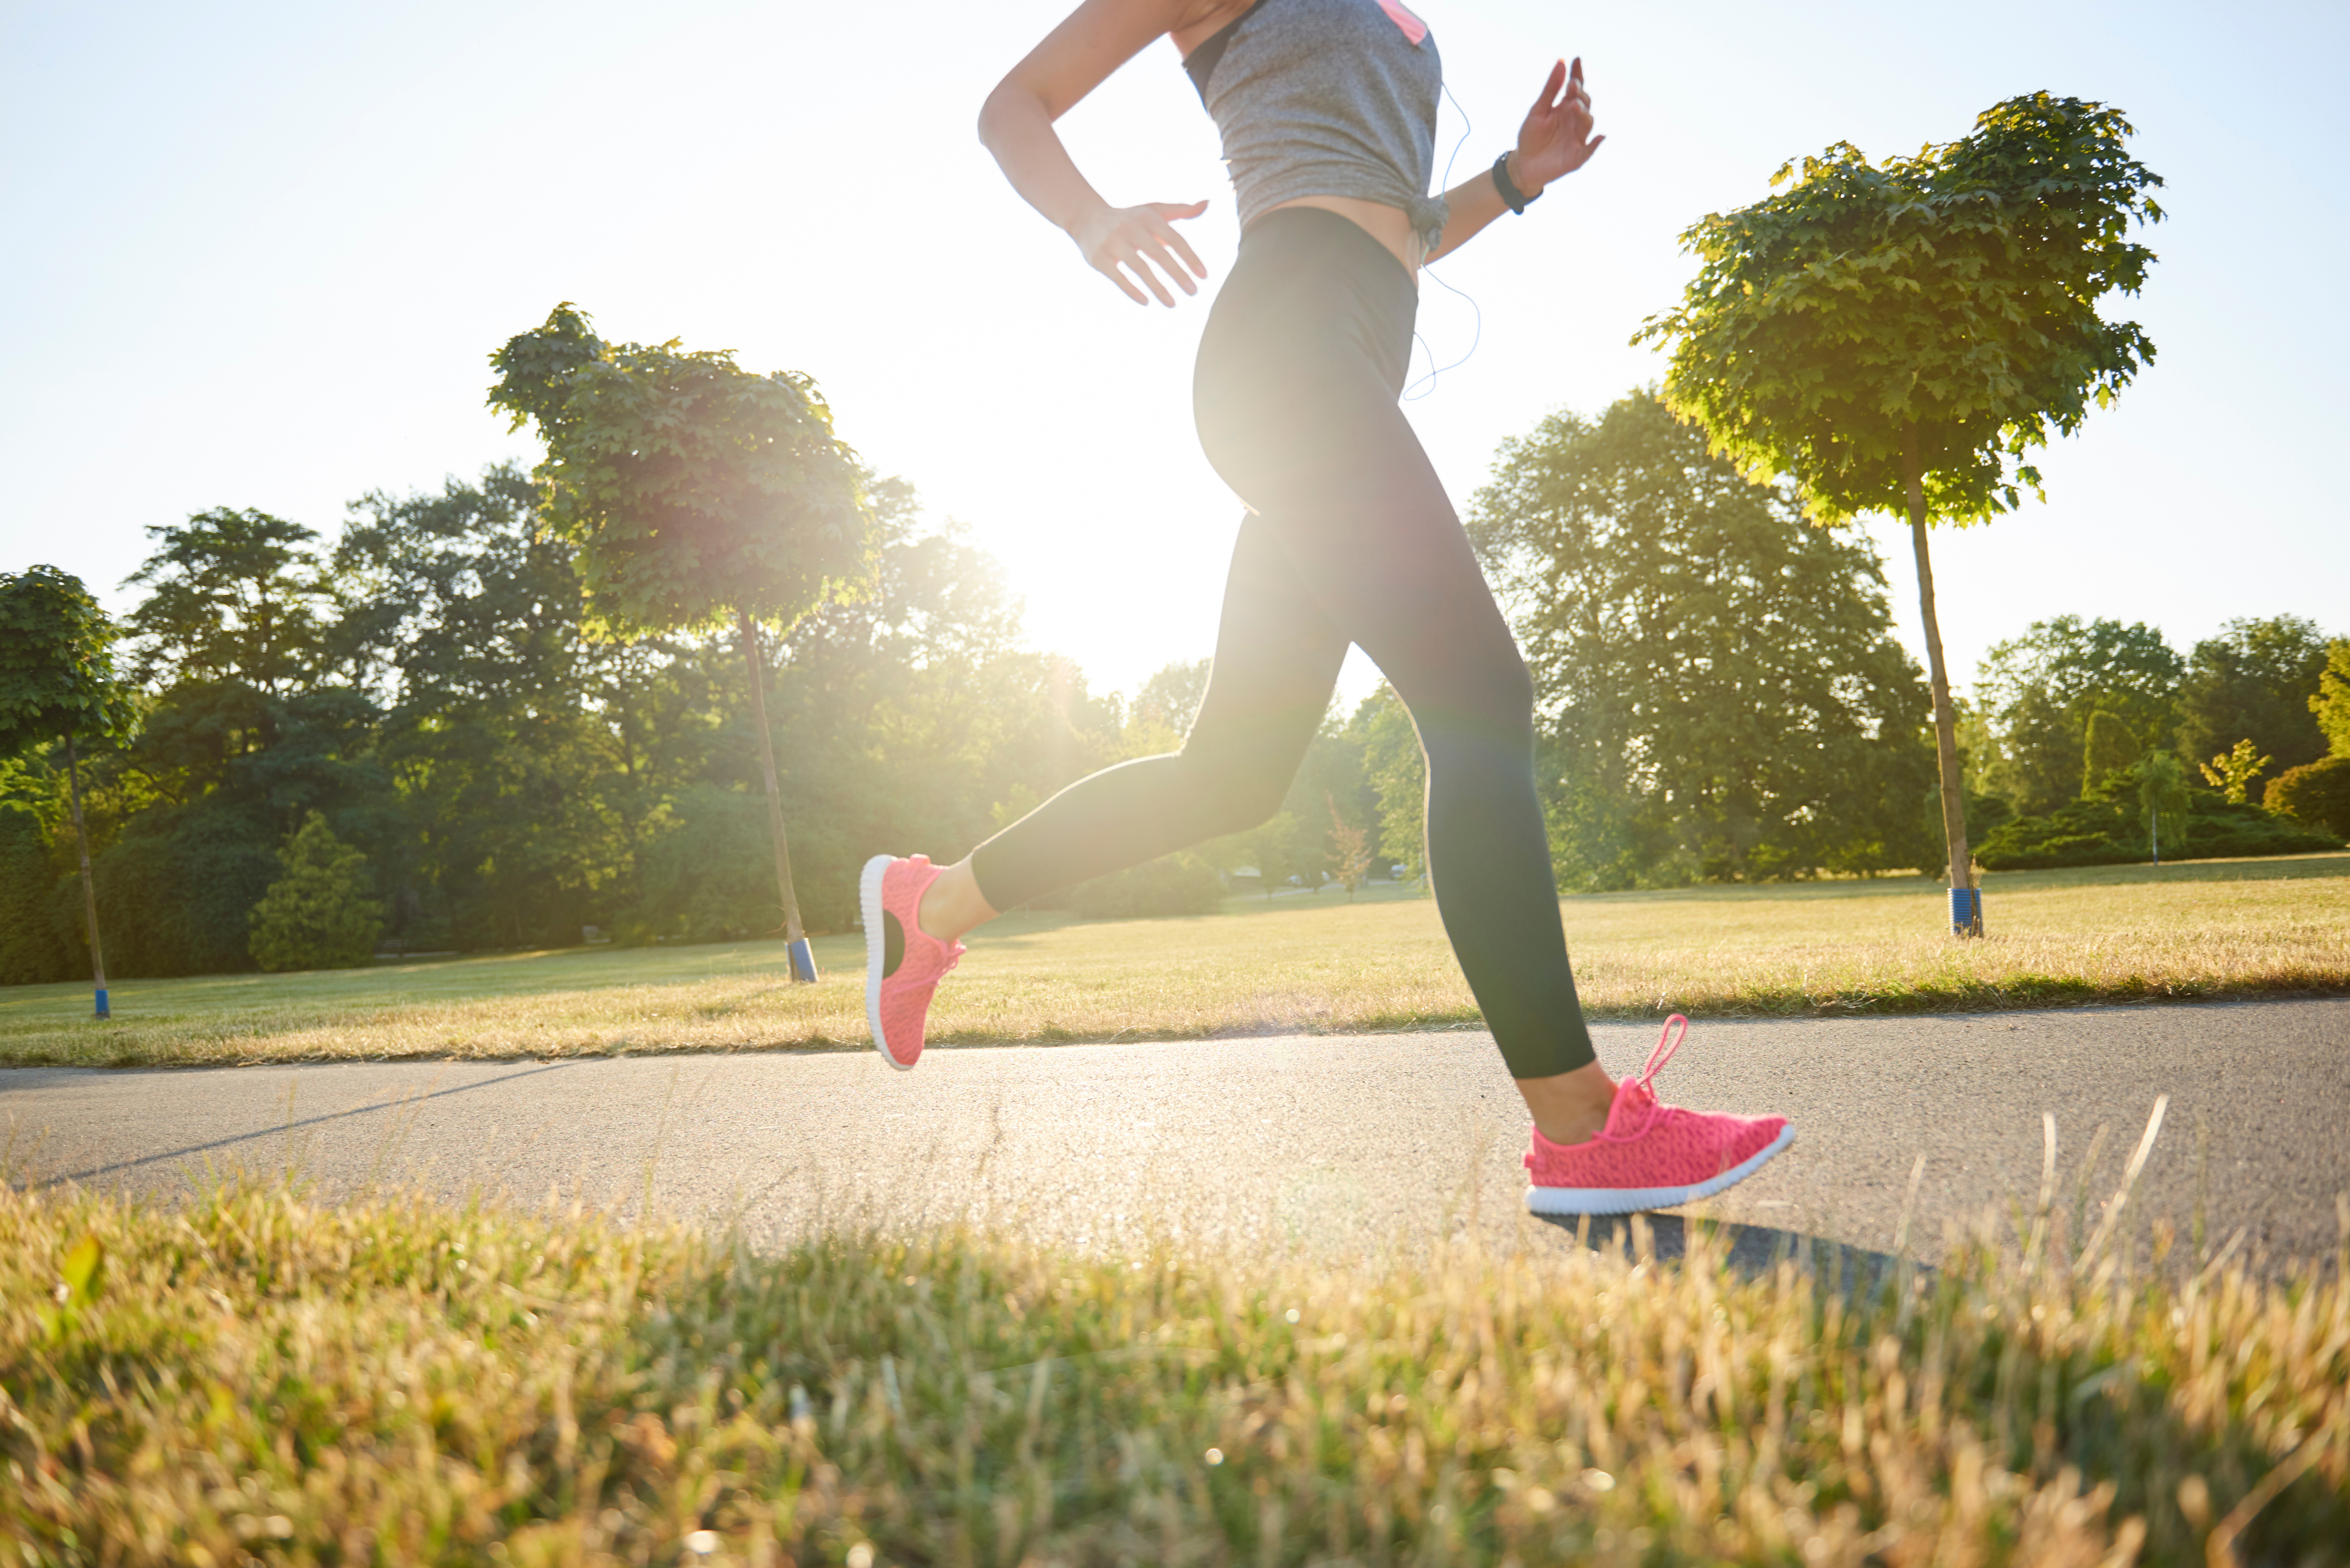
(88, 884)
(1946, 719)
(750, 635)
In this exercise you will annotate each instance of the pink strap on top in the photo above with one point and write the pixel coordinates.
(1413, 28)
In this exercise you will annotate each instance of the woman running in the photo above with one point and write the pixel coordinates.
(1327, 109)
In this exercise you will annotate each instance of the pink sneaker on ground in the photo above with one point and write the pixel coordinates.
(1650, 1154)
(903, 963)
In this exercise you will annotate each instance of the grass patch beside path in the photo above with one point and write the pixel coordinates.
(251, 1378)
(2202, 931)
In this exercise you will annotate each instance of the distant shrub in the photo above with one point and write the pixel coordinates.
(2109, 829)
(2316, 793)
(30, 869)
(318, 915)
(176, 891)
(1180, 883)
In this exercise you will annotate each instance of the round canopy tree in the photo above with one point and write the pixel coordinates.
(694, 493)
(1899, 337)
(57, 683)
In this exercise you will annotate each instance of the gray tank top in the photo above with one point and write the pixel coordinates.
(1325, 97)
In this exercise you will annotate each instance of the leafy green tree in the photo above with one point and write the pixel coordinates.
(1397, 771)
(1350, 849)
(2316, 793)
(58, 685)
(2332, 704)
(694, 492)
(318, 913)
(2112, 746)
(2041, 691)
(2253, 682)
(231, 595)
(1164, 708)
(2162, 800)
(2232, 772)
(516, 742)
(1891, 335)
(1721, 686)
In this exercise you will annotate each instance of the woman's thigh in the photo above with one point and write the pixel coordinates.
(1277, 664)
(1345, 490)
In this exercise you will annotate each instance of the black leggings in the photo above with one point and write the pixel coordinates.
(1349, 538)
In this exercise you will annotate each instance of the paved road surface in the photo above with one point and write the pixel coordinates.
(1338, 1147)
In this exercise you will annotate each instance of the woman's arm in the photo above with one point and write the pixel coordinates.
(1554, 141)
(1017, 126)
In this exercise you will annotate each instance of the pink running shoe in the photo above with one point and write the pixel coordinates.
(903, 963)
(1650, 1154)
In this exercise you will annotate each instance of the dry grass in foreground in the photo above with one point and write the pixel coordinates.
(253, 1378)
(2200, 931)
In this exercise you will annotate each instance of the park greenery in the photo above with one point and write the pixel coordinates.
(1891, 336)
(256, 1374)
(695, 494)
(531, 712)
(1722, 701)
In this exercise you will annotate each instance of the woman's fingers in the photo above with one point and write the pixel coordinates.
(1167, 240)
(1141, 245)
(1110, 269)
(1547, 100)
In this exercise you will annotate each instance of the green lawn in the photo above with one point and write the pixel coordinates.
(2201, 930)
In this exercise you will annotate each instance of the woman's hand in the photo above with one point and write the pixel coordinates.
(1120, 240)
(1556, 138)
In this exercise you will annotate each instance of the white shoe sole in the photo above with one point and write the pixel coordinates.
(1632, 1200)
(877, 952)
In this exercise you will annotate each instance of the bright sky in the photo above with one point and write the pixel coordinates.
(255, 256)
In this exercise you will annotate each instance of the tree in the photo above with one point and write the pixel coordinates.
(2317, 793)
(2332, 704)
(232, 595)
(526, 792)
(1891, 335)
(1351, 847)
(57, 683)
(2253, 682)
(2112, 745)
(2162, 799)
(317, 914)
(2041, 694)
(1719, 686)
(1397, 771)
(691, 490)
(2232, 772)
(1163, 709)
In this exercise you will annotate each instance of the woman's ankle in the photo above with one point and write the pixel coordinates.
(952, 904)
(1570, 1107)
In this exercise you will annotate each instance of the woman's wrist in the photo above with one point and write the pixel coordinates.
(1526, 188)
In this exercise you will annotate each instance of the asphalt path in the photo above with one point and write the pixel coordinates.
(1339, 1147)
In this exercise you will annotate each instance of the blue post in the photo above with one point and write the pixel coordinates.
(803, 963)
(102, 1003)
(1966, 912)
